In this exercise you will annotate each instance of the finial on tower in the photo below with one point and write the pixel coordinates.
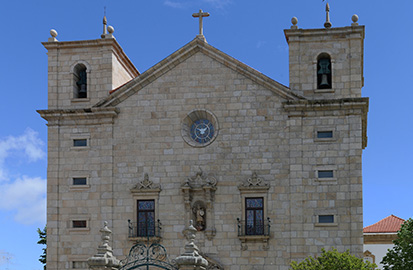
(105, 22)
(327, 24)
(294, 21)
(355, 18)
(107, 28)
(53, 33)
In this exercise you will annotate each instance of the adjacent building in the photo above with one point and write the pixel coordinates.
(379, 237)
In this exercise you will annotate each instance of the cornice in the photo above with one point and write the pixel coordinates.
(78, 114)
(379, 238)
(326, 104)
(292, 35)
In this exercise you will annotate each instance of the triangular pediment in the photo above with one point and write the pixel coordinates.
(196, 45)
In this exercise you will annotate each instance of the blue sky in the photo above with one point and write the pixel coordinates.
(150, 30)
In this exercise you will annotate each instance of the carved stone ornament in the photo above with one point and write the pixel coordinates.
(104, 258)
(191, 259)
(253, 183)
(212, 264)
(146, 185)
(201, 180)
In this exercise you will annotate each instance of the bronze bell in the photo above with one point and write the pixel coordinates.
(82, 91)
(324, 80)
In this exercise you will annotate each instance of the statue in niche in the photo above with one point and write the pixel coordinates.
(199, 212)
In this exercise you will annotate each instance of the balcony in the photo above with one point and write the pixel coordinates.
(143, 231)
(254, 232)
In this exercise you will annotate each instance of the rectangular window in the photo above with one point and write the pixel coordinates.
(254, 216)
(325, 174)
(79, 181)
(324, 134)
(146, 218)
(326, 219)
(80, 265)
(79, 142)
(79, 223)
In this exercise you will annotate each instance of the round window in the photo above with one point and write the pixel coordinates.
(199, 128)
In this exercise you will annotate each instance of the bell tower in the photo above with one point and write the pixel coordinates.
(80, 73)
(326, 63)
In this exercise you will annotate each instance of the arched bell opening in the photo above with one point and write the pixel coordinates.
(324, 71)
(80, 81)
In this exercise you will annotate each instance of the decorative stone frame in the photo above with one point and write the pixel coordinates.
(368, 254)
(254, 187)
(193, 116)
(325, 128)
(76, 260)
(75, 99)
(145, 190)
(79, 217)
(78, 187)
(315, 68)
(323, 212)
(327, 180)
(201, 188)
(80, 136)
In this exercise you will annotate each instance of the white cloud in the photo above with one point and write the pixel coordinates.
(218, 3)
(29, 145)
(26, 197)
(174, 4)
(23, 196)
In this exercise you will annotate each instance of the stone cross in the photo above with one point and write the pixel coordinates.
(200, 15)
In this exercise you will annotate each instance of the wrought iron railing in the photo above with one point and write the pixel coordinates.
(144, 229)
(259, 228)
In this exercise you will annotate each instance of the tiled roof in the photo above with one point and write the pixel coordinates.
(390, 224)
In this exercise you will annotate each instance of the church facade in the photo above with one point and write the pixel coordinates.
(268, 173)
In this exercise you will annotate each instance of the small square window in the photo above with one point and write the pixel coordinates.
(80, 142)
(326, 219)
(325, 174)
(79, 181)
(324, 134)
(79, 223)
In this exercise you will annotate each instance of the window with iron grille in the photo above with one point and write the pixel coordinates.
(146, 218)
(79, 224)
(254, 216)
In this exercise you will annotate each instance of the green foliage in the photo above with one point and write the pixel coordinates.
(42, 241)
(401, 256)
(333, 260)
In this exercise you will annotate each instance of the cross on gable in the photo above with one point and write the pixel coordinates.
(200, 15)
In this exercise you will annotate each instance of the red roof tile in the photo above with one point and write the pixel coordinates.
(390, 224)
